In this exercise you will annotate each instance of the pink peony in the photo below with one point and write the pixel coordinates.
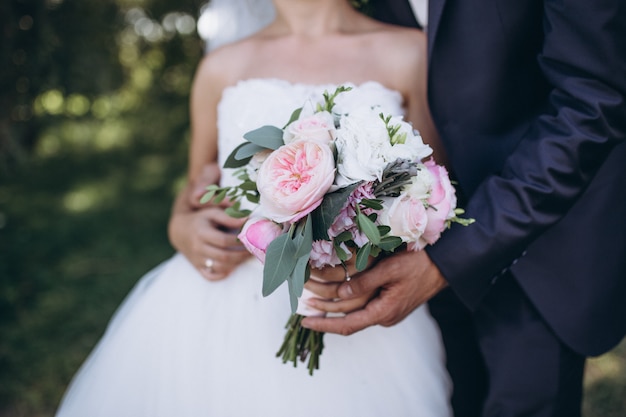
(294, 179)
(442, 200)
(257, 234)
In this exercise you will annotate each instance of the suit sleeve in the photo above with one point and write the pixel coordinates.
(583, 58)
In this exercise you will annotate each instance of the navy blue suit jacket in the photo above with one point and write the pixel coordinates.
(529, 99)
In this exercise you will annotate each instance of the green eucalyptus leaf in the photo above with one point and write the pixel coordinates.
(304, 237)
(268, 137)
(293, 298)
(279, 263)
(232, 161)
(301, 274)
(247, 151)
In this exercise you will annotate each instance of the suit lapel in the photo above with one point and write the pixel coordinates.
(435, 9)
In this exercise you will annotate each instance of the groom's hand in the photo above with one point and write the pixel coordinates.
(404, 281)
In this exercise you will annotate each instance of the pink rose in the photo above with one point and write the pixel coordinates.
(319, 126)
(294, 179)
(442, 200)
(257, 234)
(407, 218)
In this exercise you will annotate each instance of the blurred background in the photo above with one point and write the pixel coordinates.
(93, 145)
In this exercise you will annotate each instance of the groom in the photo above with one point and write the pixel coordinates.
(529, 98)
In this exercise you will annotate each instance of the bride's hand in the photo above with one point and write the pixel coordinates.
(325, 284)
(207, 238)
(205, 234)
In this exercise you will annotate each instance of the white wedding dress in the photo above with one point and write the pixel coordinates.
(180, 346)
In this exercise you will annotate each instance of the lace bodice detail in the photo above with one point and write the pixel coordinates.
(253, 103)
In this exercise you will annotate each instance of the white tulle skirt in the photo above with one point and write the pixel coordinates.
(180, 346)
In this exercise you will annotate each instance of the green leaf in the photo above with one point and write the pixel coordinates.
(304, 237)
(383, 230)
(375, 204)
(279, 263)
(236, 212)
(325, 214)
(296, 281)
(389, 243)
(368, 227)
(293, 298)
(341, 254)
(343, 237)
(248, 151)
(211, 190)
(362, 256)
(232, 162)
(219, 197)
(269, 137)
(294, 116)
(253, 198)
(248, 185)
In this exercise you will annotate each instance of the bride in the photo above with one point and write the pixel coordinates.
(195, 337)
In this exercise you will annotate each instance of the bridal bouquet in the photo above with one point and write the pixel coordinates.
(329, 187)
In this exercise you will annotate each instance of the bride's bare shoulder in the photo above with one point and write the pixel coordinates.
(225, 65)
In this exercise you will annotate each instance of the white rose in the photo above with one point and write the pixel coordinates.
(369, 94)
(407, 142)
(421, 185)
(362, 143)
(252, 169)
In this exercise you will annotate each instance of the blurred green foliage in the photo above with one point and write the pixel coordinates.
(93, 143)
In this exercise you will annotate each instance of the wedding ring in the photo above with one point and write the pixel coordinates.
(208, 263)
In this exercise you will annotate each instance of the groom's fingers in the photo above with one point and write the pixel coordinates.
(339, 306)
(361, 284)
(346, 325)
(349, 324)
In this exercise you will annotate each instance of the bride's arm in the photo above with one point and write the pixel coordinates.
(200, 233)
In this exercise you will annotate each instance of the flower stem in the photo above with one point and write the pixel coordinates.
(300, 343)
